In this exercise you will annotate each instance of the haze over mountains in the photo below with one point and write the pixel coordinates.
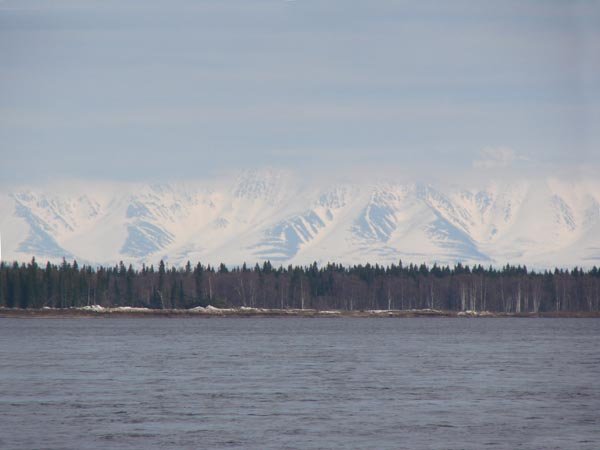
(277, 216)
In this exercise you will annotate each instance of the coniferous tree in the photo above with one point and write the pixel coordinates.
(513, 289)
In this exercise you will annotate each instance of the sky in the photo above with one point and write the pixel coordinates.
(146, 90)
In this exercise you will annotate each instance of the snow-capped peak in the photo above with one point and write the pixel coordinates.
(272, 215)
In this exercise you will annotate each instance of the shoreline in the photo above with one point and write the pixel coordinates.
(131, 312)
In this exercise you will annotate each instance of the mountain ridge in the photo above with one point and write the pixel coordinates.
(274, 215)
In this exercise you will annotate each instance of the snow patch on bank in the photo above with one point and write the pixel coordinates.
(98, 308)
(472, 313)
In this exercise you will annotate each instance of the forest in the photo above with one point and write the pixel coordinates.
(510, 289)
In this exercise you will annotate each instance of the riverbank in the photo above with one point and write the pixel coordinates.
(210, 311)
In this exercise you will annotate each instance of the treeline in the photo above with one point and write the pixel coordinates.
(511, 289)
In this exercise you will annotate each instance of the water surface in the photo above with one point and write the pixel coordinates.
(247, 383)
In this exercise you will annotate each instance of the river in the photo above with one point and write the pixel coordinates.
(272, 383)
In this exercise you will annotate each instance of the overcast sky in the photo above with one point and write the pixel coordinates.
(147, 89)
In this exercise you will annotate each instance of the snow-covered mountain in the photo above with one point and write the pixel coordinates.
(276, 216)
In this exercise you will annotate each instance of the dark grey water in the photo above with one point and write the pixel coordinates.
(300, 383)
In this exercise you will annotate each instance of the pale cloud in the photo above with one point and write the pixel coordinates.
(496, 157)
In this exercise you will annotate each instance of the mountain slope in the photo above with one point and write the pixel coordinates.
(271, 215)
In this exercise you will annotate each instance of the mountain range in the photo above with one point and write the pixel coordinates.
(275, 215)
